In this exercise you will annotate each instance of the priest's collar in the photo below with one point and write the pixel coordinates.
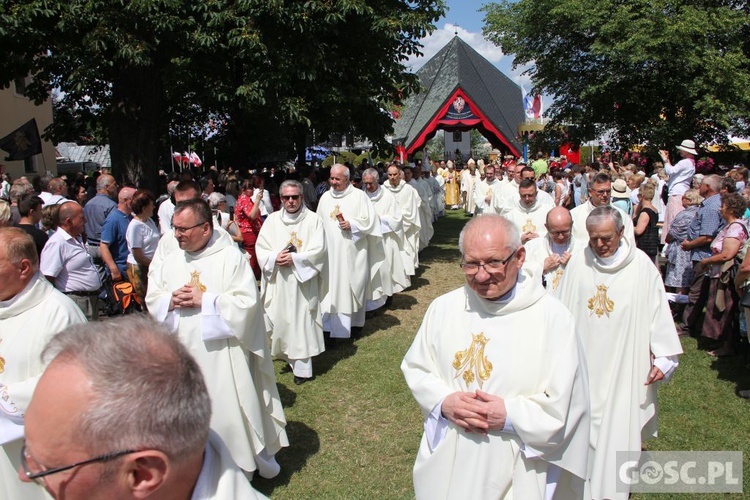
(341, 194)
(559, 249)
(374, 195)
(624, 254)
(289, 217)
(510, 294)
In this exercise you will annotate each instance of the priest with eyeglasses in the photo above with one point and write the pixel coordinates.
(498, 372)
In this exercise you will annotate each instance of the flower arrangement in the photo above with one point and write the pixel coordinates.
(704, 165)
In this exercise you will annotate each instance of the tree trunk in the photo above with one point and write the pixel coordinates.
(136, 126)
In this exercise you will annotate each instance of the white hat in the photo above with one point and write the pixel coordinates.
(688, 146)
(620, 189)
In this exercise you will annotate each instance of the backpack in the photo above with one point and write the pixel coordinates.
(122, 299)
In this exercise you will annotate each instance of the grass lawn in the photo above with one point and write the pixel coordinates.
(354, 431)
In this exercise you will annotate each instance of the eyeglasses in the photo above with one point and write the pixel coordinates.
(37, 477)
(600, 192)
(290, 197)
(183, 230)
(491, 267)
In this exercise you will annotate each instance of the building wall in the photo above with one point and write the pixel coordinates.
(15, 110)
(463, 145)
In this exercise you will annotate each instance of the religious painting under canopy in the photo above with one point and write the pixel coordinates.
(461, 91)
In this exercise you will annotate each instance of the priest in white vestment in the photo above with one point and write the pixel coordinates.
(552, 252)
(291, 250)
(528, 214)
(206, 291)
(600, 194)
(617, 298)
(489, 194)
(31, 311)
(467, 186)
(398, 267)
(350, 224)
(425, 211)
(409, 201)
(130, 387)
(500, 381)
(542, 196)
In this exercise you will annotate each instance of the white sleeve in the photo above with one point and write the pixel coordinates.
(213, 326)
(667, 365)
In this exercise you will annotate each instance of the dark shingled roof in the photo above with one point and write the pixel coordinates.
(455, 66)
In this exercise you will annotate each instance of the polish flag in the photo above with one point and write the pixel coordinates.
(195, 159)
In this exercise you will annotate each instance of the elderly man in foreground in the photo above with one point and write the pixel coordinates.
(617, 298)
(31, 311)
(500, 380)
(206, 291)
(122, 411)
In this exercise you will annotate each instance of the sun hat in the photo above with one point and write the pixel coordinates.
(688, 146)
(620, 189)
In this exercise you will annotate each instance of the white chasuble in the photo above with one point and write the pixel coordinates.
(623, 316)
(529, 219)
(27, 322)
(352, 255)
(537, 251)
(227, 337)
(525, 351)
(581, 212)
(398, 267)
(291, 294)
(425, 214)
(408, 199)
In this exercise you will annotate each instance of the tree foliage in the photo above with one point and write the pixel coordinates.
(257, 68)
(655, 71)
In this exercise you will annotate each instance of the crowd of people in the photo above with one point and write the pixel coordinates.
(248, 267)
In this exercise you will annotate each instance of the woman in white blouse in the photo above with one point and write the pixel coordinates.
(142, 237)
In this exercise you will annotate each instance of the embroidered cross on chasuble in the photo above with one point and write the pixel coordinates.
(294, 240)
(556, 279)
(195, 280)
(336, 212)
(600, 303)
(529, 227)
(471, 364)
(2, 361)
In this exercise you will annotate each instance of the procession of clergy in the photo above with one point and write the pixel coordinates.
(531, 377)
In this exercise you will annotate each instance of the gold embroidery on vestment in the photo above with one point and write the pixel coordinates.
(600, 303)
(556, 280)
(335, 213)
(472, 362)
(294, 240)
(529, 227)
(195, 280)
(2, 361)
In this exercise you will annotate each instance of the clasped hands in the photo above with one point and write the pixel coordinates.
(555, 260)
(284, 258)
(186, 297)
(477, 411)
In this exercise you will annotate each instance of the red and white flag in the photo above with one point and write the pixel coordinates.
(195, 159)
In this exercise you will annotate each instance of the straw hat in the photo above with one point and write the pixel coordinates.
(620, 189)
(688, 146)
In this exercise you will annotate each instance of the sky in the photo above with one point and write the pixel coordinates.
(463, 16)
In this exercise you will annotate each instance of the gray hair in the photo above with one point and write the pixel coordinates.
(713, 181)
(103, 182)
(371, 172)
(495, 223)
(148, 391)
(19, 245)
(199, 207)
(20, 188)
(4, 213)
(291, 183)
(341, 167)
(602, 214)
(214, 199)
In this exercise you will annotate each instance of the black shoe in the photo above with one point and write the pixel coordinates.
(286, 369)
(356, 332)
(301, 380)
(389, 301)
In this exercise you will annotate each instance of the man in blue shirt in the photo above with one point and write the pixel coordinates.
(113, 246)
(702, 231)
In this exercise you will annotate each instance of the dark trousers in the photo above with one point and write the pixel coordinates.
(697, 299)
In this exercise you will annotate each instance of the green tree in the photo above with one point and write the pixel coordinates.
(648, 70)
(264, 70)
